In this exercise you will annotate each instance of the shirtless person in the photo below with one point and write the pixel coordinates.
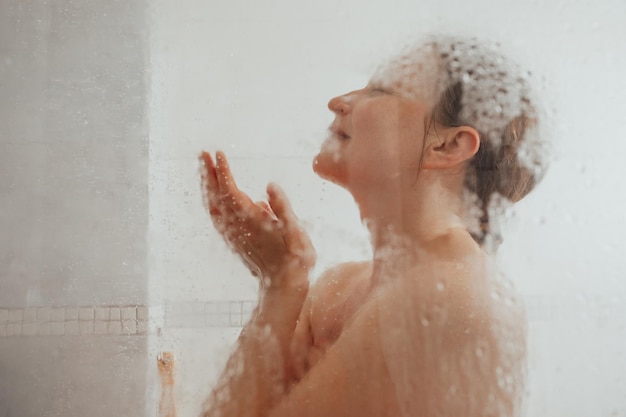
(426, 328)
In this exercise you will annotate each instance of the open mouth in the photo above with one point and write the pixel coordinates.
(343, 135)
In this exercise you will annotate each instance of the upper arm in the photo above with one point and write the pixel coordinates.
(334, 281)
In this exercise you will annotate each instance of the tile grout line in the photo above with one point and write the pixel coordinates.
(122, 320)
(133, 320)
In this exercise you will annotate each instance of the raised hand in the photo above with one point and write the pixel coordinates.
(266, 235)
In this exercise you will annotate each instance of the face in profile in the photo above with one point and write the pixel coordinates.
(379, 131)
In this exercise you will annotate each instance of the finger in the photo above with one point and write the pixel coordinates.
(225, 178)
(295, 237)
(232, 198)
(264, 205)
(280, 206)
(266, 209)
(207, 167)
(208, 178)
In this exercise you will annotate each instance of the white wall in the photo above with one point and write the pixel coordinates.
(73, 208)
(253, 79)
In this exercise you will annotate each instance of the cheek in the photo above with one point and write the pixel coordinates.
(392, 141)
(376, 134)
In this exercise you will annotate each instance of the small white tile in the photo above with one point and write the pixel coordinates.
(29, 329)
(30, 315)
(102, 313)
(100, 327)
(129, 313)
(57, 314)
(183, 308)
(4, 315)
(235, 320)
(211, 308)
(57, 328)
(129, 327)
(142, 313)
(115, 313)
(44, 314)
(85, 314)
(43, 329)
(211, 320)
(86, 327)
(236, 307)
(71, 313)
(223, 320)
(196, 321)
(72, 328)
(15, 316)
(199, 307)
(142, 327)
(114, 327)
(14, 329)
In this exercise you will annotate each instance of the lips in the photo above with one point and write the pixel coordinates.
(340, 133)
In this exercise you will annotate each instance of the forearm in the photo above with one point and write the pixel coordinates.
(279, 309)
(255, 377)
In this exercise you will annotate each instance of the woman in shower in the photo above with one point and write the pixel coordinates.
(437, 141)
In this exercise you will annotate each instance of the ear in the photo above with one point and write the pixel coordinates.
(452, 147)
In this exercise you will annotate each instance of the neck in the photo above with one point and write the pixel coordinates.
(405, 222)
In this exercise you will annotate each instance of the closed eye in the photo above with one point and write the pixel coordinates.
(377, 89)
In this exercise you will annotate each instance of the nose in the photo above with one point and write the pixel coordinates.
(339, 105)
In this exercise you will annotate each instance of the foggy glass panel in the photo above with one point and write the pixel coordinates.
(109, 258)
(73, 207)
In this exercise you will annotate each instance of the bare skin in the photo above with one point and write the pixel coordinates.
(330, 304)
(167, 365)
(415, 332)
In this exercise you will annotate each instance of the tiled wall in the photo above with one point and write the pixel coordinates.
(208, 314)
(119, 320)
(135, 319)
(70, 321)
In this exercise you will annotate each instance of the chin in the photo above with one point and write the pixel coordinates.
(327, 169)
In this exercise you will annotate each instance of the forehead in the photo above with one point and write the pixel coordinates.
(415, 74)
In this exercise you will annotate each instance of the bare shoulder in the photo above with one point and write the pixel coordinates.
(337, 294)
(465, 295)
(343, 275)
(453, 329)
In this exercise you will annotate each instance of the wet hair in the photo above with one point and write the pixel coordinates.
(479, 88)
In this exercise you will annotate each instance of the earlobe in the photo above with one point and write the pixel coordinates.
(459, 144)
